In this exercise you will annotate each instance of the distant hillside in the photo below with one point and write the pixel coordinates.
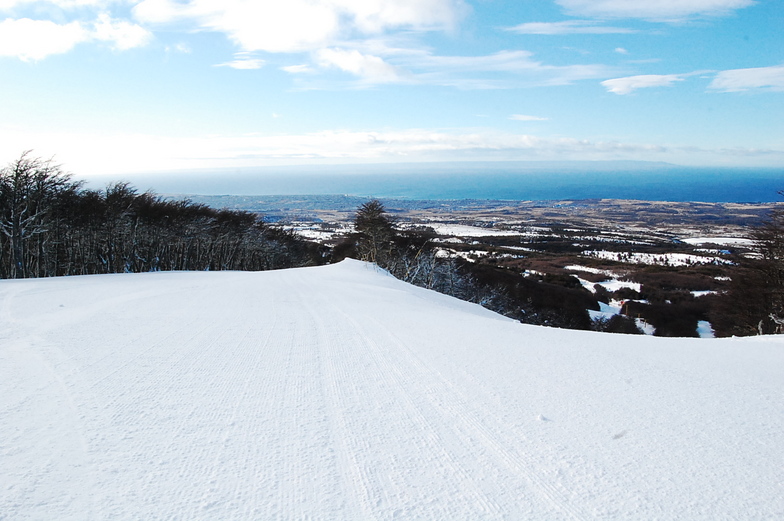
(339, 392)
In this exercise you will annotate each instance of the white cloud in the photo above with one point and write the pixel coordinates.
(523, 117)
(124, 35)
(370, 68)
(62, 4)
(32, 40)
(294, 25)
(631, 83)
(737, 80)
(657, 10)
(301, 25)
(621, 50)
(568, 27)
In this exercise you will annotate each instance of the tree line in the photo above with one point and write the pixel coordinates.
(50, 225)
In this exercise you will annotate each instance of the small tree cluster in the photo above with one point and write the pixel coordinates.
(617, 324)
(412, 257)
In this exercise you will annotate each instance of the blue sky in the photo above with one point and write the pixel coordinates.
(133, 86)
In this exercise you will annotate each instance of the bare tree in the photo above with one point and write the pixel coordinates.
(28, 189)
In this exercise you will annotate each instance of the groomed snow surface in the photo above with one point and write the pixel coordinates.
(340, 393)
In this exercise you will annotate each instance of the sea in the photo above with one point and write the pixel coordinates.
(521, 181)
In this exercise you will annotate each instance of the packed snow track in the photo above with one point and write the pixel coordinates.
(339, 392)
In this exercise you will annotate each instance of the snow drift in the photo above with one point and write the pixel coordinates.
(339, 392)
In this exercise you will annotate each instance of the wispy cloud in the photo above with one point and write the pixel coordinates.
(245, 64)
(737, 80)
(523, 117)
(368, 68)
(298, 69)
(243, 61)
(631, 83)
(415, 66)
(519, 67)
(655, 10)
(567, 27)
(94, 154)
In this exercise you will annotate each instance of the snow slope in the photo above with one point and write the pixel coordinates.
(339, 392)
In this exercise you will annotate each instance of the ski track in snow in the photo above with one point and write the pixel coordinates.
(341, 393)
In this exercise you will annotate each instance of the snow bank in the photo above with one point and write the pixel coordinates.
(341, 393)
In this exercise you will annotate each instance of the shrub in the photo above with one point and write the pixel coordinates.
(617, 324)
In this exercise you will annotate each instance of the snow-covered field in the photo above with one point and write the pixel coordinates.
(722, 241)
(663, 259)
(341, 393)
(461, 230)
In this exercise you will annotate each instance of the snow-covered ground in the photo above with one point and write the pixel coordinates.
(596, 271)
(705, 330)
(611, 284)
(339, 392)
(607, 311)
